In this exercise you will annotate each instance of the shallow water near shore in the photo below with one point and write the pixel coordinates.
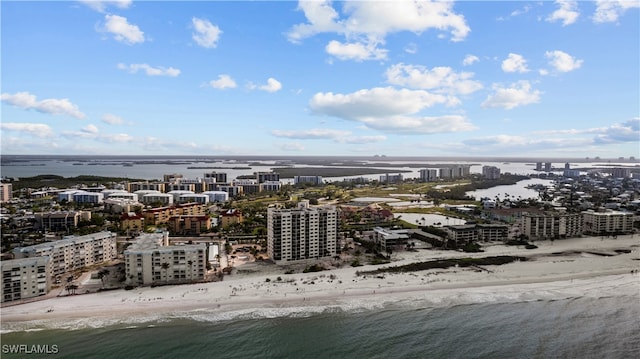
(571, 327)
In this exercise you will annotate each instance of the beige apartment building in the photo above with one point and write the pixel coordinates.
(25, 278)
(551, 225)
(74, 252)
(608, 222)
(150, 260)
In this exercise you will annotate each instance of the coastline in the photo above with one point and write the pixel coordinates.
(568, 268)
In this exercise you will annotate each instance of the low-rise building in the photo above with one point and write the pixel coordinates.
(60, 221)
(165, 199)
(314, 180)
(385, 238)
(162, 215)
(217, 196)
(193, 225)
(73, 252)
(25, 278)
(230, 217)
(132, 222)
(150, 260)
(270, 186)
(492, 232)
(462, 233)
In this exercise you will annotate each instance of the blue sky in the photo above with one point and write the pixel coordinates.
(402, 78)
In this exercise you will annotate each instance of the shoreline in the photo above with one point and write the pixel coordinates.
(560, 270)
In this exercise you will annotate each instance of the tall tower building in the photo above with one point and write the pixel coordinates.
(302, 233)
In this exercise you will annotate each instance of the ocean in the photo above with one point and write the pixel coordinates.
(576, 327)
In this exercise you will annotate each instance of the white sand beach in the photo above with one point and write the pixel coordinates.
(589, 266)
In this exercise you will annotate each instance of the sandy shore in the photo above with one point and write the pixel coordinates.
(588, 266)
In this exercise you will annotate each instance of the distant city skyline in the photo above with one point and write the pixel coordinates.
(543, 79)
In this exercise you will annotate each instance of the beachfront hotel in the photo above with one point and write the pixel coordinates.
(551, 225)
(25, 278)
(150, 260)
(302, 233)
(607, 222)
(74, 252)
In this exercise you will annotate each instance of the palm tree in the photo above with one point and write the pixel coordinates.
(102, 274)
(165, 267)
(190, 263)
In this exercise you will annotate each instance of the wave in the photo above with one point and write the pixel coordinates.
(571, 290)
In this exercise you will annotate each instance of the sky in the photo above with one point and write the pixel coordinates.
(321, 78)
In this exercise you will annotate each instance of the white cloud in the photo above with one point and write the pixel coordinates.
(291, 146)
(122, 30)
(411, 48)
(28, 101)
(116, 138)
(356, 51)
(388, 109)
(90, 129)
(379, 101)
(33, 129)
(150, 70)
(91, 132)
(366, 24)
(101, 6)
(112, 119)
(440, 79)
(611, 10)
(314, 134)
(272, 85)
(322, 17)
(223, 82)
(567, 12)
(470, 59)
(519, 94)
(519, 12)
(206, 34)
(562, 62)
(514, 63)
(338, 136)
(517, 144)
(619, 133)
(360, 140)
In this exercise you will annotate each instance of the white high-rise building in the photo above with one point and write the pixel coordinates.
(428, 175)
(302, 233)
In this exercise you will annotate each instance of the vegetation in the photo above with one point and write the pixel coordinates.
(445, 263)
(313, 268)
(66, 182)
(290, 172)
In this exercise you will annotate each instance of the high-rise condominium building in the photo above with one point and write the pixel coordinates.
(302, 233)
